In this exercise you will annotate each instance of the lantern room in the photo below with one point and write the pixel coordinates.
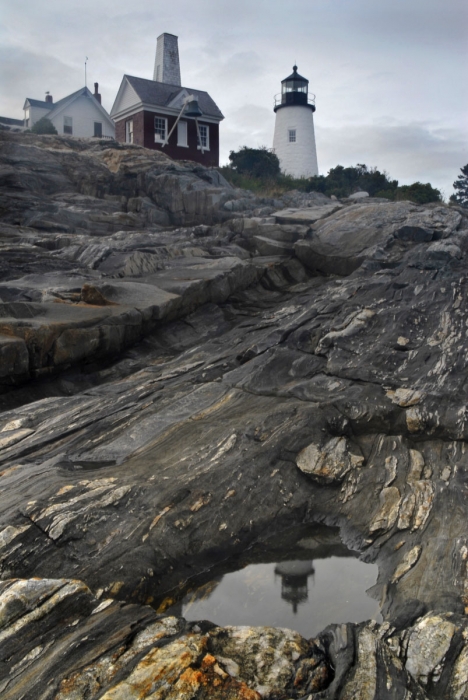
(294, 91)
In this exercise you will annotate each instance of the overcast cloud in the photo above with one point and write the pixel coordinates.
(389, 75)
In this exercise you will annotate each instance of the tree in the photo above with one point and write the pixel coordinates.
(419, 193)
(256, 162)
(461, 187)
(342, 182)
(44, 126)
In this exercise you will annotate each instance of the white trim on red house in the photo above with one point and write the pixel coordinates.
(130, 111)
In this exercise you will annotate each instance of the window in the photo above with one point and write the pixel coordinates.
(292, 135)
(129, 131)
(68, 125)
(160, 129)
(182, 134)
(98, 129)
(204, 136)
(26, 117)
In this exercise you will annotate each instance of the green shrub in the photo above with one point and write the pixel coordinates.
(419, 193)
(258, 170)
(256, 162)
(44, 126)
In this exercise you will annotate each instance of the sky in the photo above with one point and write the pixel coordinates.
(389, 76)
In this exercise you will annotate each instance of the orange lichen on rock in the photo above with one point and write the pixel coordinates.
(211, 682)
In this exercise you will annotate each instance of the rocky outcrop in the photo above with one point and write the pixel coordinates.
(177, 394)
(372, 232)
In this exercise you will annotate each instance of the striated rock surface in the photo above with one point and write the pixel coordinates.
(186, 373)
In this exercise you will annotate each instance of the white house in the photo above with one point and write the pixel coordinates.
(79, 114)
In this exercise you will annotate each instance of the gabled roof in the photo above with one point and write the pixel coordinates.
(74, 95)
(55, 107)
(39, 103)
(159, 94)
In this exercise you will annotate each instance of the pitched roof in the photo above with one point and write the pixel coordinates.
(59, 103)
(161, 94)
(53, 105)
(57, 106)
(81, 91)
(40, 103)
(11, 122)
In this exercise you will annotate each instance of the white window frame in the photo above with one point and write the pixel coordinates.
(182, 134)
(68, 125)
(157, 137)
(204, 136)
(95, 135)
(292, 135)
(129, 131)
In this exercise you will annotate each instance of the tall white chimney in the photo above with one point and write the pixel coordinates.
(166, 64)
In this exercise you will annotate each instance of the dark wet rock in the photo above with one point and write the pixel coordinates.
(184, 394)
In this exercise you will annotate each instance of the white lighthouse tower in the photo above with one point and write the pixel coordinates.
(294, 139)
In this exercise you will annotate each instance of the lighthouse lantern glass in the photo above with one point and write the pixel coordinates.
(294, 86)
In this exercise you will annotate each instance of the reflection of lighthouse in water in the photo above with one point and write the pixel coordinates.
(294, 576)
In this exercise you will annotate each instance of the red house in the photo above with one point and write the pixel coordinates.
(161, 114)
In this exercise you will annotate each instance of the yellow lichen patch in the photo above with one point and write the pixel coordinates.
(201, 501)
(166, 603)
(210, 681)
(65, 489)
(159, 670)
(116, 587)
(159, 516)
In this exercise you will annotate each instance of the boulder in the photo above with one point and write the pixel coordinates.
(341, 243)
(356, 196)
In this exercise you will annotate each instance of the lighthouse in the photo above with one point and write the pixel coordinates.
(294, 139)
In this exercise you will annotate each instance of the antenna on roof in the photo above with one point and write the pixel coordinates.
(85, 71)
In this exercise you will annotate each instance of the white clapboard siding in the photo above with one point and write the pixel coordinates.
(84, 111)
(126, 99)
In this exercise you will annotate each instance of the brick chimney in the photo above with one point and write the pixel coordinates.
(96, 93)
(166, 64)
(48, 98)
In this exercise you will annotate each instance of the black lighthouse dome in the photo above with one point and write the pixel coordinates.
(295, 91)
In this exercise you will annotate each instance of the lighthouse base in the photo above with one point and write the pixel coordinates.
(294, 141)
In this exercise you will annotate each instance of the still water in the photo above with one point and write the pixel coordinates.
(319, 586)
